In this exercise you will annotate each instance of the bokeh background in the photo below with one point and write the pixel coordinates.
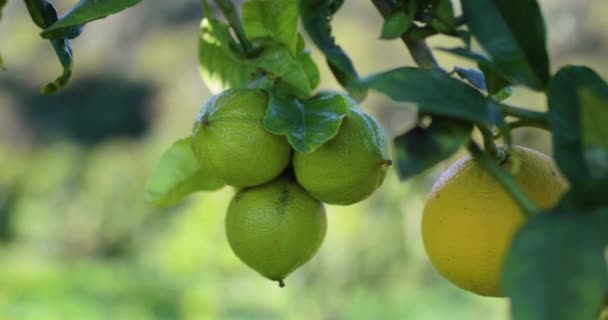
(79, 241)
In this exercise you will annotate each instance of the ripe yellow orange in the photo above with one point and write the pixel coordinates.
(469, 219)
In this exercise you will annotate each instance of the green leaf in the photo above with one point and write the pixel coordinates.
(555, 269)
(495, 82)
(443, 16)
(395, 25)
(517, 46)
(435, 92)
(578, 113)
(44, 14)
(474, 77)
(310, 69)
(307, 124)
(178, 174)
(277, 61)
(316, 16)
(220, 64)
(2, 64)
(423, 147)
(86, 11)
(276, 20)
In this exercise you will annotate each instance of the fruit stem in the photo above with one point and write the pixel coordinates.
(488, 143)
(539, 119)
(504, 178)
(417, 47)
(230, 13)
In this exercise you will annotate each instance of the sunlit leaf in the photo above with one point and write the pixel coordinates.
(83, 12)
(220, 64)
(178, 174)
(276, 20)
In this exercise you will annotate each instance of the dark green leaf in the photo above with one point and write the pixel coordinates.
(86, 11)
(178, 174)
(517, 46)
(555, 269)
(276, 20)
(2, 4)
(435, 93)
(443, 16)
(578, 113)
(422, 148)
(277, 61)
(316, 16)
(395, 25)
(494, 80)
(44, 14)
(307, 124)
(474, 77)
(220, 65)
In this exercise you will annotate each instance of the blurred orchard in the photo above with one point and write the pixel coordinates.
(79, 241)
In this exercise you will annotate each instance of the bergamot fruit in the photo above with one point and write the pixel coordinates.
(469, 219)
(349, 167)
(275, 228)
(229, 137)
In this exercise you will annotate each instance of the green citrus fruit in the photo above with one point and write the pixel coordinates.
(229, 137)
(275, 228)
(469, 219)
(349, 167)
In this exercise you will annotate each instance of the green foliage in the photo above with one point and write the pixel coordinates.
(279, 63)
(516, 45)
(434, 92)
(179, 174)
(84, 12)
(316, 16)
(578, 107)
(276, 20)
(307, 124)
(44, 14)
(557, 257)
(395, 25)
(220, 64)
(422, 147)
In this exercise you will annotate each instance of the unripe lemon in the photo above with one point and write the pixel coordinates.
(229, 138)
(469, 219)
(349, 167)
(275, 228)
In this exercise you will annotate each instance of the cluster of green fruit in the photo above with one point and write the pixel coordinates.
(276, 222)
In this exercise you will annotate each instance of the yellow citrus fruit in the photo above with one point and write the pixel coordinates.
(469, 220)
(275, 228)
(349, 167)
(229, 137)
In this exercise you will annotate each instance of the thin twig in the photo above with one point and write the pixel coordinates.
(538, 118)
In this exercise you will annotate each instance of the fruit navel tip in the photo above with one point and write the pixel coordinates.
(281, 284)
(388, 162)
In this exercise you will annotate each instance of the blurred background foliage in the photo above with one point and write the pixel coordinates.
(79, 241)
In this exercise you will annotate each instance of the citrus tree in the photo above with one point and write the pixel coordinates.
(504, 221)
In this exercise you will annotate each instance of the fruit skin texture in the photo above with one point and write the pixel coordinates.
(349, 167)
(230, 138)
(275, 228)
(469, 220)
